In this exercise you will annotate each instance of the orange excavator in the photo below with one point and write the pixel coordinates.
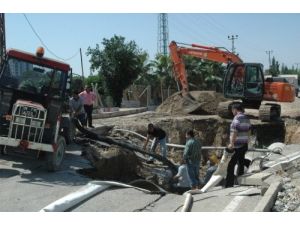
(243, 81)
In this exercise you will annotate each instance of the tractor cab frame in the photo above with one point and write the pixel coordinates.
(33, 95)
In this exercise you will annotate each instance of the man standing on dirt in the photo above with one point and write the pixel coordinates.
(239, 136)
(88, 100)
(192, 157)
(159, 136)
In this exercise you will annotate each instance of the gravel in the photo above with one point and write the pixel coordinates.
(288, 199)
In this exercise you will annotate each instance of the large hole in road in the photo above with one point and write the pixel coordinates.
(118, 164)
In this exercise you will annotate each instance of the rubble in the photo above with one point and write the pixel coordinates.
(288, 199)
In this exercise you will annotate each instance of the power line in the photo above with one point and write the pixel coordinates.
(183, 30)
(249, 44)
(42, 42)
(189, 31)
(197, 22)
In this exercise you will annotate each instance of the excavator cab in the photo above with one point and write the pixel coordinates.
(244, 81)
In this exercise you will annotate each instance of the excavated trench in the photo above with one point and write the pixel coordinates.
(114, 162)
(117, 163)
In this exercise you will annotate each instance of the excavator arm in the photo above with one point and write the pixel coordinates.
(203, 52)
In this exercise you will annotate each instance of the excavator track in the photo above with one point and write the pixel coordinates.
(269, 112)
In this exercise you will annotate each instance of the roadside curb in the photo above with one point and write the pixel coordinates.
(269, 198)
(119, 113)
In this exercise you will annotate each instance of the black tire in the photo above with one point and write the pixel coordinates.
(69, 133)
(68, 129)
(55, 159)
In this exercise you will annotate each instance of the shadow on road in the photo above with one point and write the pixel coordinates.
(32, 170)
(6, 173)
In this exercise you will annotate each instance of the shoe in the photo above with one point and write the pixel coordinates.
(150, 162)
(91, 126)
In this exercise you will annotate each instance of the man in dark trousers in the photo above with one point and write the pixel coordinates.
(88, 100)
(159, 136)
(239, 137)
(192, 157)
(76, 108)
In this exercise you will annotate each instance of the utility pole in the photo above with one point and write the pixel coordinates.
(232, 38)
(82, 74)
(269, 53)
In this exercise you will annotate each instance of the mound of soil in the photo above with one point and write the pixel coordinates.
(198, 103)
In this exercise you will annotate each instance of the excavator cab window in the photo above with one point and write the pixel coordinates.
(244, 81)
(234, 81)
(254, 83)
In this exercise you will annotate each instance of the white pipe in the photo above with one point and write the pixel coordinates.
(187, 203)
(286, 159)
(213, 181)
(203, 147)
(74, 198)
(87, 191)
(118, 184)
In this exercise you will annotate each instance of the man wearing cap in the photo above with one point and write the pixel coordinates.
(88, 100)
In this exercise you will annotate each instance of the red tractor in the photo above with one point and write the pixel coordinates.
(33, 93)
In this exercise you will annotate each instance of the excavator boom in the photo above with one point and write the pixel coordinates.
(198, 51)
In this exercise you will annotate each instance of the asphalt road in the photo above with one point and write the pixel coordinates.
(27, 186)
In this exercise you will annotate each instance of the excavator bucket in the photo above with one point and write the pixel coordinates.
(190, 105)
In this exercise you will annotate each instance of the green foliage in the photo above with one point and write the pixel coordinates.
(96, 79)
(119, 62)
(286, 70)
(204, 75)
(77, 83)
(274, 68)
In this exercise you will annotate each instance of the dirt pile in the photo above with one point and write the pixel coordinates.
(292, 131)
(203, 103)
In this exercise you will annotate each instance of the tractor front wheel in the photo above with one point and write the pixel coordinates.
(55, 159)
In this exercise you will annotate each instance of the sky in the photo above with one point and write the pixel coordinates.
(65, 33)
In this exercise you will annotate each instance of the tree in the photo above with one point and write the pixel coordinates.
(203, 74)
(119, 62)
(96, 79)
(77, 83)
(162, 69)
(274, 68)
